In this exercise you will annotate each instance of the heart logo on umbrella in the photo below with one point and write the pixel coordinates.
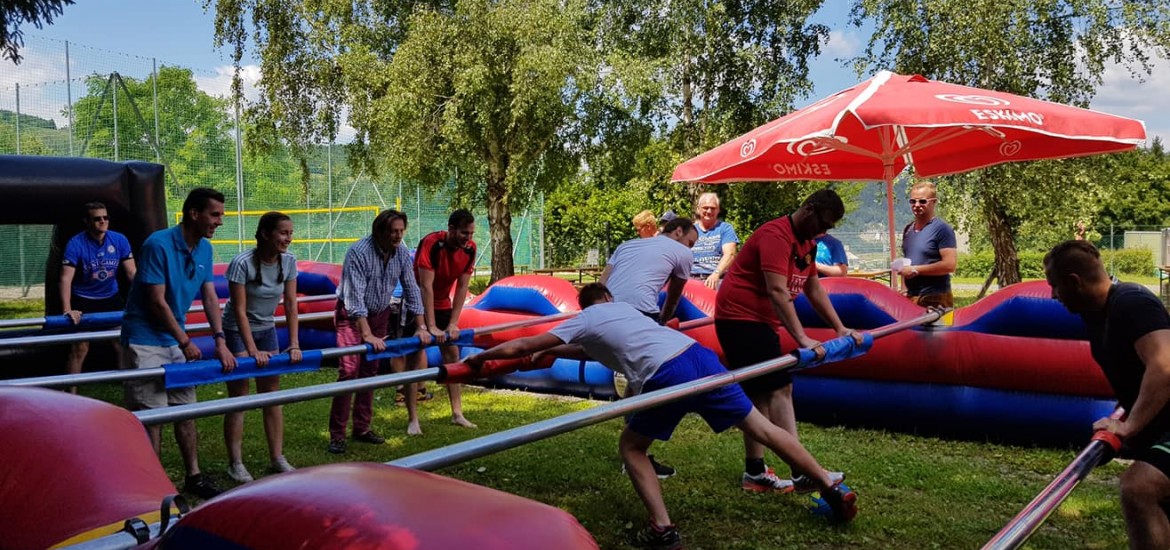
(747, 148)
(1009, 149)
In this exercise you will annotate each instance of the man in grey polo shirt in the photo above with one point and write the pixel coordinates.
(639, 268)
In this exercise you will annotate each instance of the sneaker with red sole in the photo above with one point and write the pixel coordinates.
(766, 482)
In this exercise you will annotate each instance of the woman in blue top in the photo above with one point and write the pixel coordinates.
(257, 279)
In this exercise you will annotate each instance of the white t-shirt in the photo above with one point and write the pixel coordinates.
(642, 266)
(263, 296)
(624, 340)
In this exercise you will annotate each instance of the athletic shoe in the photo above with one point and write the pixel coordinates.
(842, 501)
(281, 465)
(661, 470)
(239, 473)
(766, 482)
(201, 486)
(337, 447)
(661, 538)
(369, 437)
(804, 484)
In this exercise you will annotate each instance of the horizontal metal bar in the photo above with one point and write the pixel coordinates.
(255, 401)
(114, 334)
(176, 413)
(482, 446)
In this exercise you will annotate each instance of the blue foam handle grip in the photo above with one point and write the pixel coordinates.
(837, 349)
(209, 371)
(410, 344)
(88, 320)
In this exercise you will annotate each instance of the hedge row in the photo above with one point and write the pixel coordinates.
(1137, 261)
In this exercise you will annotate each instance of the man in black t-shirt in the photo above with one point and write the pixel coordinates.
(1129, 336)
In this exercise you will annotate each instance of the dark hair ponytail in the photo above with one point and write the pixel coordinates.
(264, 228)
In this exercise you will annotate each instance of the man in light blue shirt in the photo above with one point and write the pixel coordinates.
(717, 242)
(174, 267)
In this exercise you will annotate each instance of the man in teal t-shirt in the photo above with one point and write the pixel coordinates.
(174, 266)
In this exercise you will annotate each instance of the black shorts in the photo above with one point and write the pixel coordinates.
(746, 343)
(90, 305)
(404, 323)
(1156, 455)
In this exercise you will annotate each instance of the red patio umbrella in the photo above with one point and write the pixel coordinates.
(879, 127)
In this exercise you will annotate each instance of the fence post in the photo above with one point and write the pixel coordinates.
(239, 182)
(541, 227)
(154, 99)
(69, 96)
(18, 133)
(329, 190)
(113, 81)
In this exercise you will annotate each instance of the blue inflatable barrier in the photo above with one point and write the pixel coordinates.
(509, 298)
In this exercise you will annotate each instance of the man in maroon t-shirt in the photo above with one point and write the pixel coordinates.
(756, 298)
(446, 260)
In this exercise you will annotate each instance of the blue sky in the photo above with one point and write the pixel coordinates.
(178, 32)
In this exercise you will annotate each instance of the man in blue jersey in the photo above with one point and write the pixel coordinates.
(89, 276)
(717, 243)
(1129, 337)
(175, 267)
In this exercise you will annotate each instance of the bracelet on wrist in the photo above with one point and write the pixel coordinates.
(185, 344)
(219, 335)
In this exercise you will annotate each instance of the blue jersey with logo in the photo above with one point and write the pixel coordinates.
(830, 251)
(96, 263)
(708, 249)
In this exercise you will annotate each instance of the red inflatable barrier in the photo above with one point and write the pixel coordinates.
(74, 469)
(372, 507)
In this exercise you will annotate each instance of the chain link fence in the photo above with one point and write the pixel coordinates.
(70, 100)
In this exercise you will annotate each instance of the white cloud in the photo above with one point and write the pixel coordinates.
(1149, 101)
(41, 79)
(841, 44)
(220, 83)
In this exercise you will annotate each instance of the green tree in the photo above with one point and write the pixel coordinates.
(15, 12)
(193, 134)
(1051, 49)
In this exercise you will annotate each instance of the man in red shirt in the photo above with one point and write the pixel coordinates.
(445, 260)
(756, 299)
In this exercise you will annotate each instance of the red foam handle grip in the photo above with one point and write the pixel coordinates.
(672, 323)
(457, 373)
(1109, 438)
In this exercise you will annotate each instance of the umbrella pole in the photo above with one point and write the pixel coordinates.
(890, 224)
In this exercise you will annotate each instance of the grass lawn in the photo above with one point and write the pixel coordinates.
(914, 492)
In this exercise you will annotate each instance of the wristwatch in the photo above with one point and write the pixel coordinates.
(219, 335)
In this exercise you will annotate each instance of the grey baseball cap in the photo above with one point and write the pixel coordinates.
(668, 217)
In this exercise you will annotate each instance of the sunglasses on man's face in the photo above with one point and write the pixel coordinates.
(99, 218)
(923, 202)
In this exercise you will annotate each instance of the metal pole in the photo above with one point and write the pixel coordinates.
(18, 122)
(69, 96)
(37, 321)
(482, 446)
(254, 401)
(239, 181)
(157, 142)
(167, 415)
(114, 78)
(542, 229)
(20, 243)
(330, 353)
(329, 190)
(102, 335)
(1020, 528)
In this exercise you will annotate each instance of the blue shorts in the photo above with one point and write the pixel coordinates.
(265, 340)
(721, 408)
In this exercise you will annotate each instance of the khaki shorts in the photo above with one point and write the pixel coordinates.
(152, 393)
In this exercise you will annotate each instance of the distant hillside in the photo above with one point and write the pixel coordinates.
(29, 121)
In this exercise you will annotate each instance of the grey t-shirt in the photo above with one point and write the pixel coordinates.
(642, 266)
(263, 296)
(624, 340)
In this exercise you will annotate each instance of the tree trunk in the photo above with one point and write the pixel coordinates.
(500, 229)
(1007, 262)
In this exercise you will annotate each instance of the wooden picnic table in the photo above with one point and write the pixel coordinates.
(582, 272)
